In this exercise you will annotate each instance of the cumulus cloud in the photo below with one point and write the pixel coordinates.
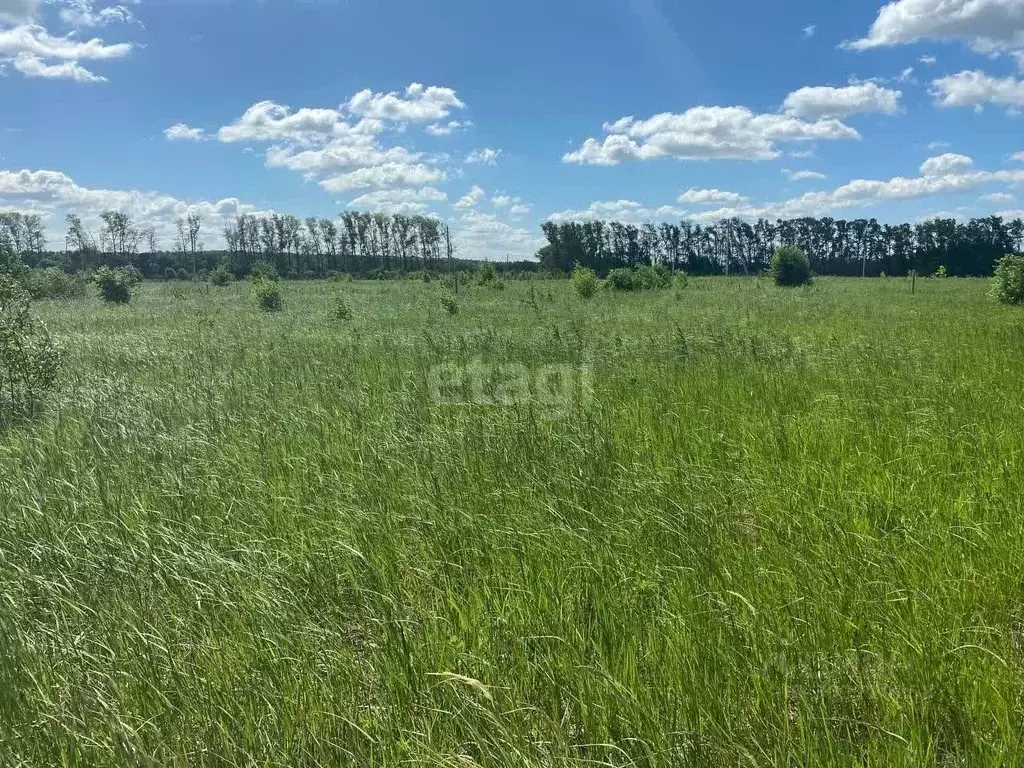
(987, 26)
(419, 104)
(82, 13)
(802, 175)
(471, 199)
(976, 88)
(485, 236)
(182, 132)
(1018, 157)
(34, 52)
(447, 129)
(627, 211)
(407, 201)
(52, 194)
(485, 156)
(999, 198)
(704, 133)
(944, 165)
(706, 196)
(343, 148)
(32, 66)
(826, 102)
(387, 175)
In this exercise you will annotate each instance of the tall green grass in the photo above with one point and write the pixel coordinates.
(787, 529)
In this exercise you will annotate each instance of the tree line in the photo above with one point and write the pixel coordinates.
(862, 247)
(369, 243)
(359, 243)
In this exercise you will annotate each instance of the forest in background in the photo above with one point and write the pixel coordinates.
(380, 244)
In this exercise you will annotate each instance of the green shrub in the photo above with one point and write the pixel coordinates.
(132, 276)
(642, 278)
(622, 279)
(790, 266)
(267, 294)
(114, 285)
(1008, 280)
(584, 282)
(263, 270)
(29, 360)
(941, 271)
(448, 301)
(170, 274)
(183, 274)
(682, 280)
(485, 273)
(341, 310)
(221, 276)
(53, 283)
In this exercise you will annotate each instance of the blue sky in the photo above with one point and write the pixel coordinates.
(497, 117)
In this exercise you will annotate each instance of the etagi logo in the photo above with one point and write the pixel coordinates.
(552, 389)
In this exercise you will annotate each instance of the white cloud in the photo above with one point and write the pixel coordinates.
(703, 133)
(420, 104)
(268, 121)
(941, 175)
(1000, 198)
(907, 76)
(518, 210)
(343, 154)
(32, 66)
(503, 201)
(705, 196)
(384, 176)
(801, 155)
(825, 102)
(182, 132)
(928, 60)
(471, 199)
(485, 236)
(987, 26)
(626, 211)
(944, 165)
(802, 175)
(975, 88)
(34, 52)
(447, 129)
(407, 201)
(1018, 157)
(485, 156)
(81, 13)
(810, 30)
(30, 38)
(937, 145)
(19, 10)
(52, 194)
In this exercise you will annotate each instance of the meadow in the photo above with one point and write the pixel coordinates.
(779, 528)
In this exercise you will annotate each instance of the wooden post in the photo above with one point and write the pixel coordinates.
(913, 282)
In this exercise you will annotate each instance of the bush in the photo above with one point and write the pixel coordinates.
(682, 280)
(584, 282)
(643, 278)
(183, 274)
(53, 283)
(341, 310)
(451, 306)
(267, 294)
(622, 279)
(263, 270)
(1008, 280)
(29, 360)
(170, 274)
(790, 266)
(114, 285)
(485, 273)
(941, 271)
(221, 276)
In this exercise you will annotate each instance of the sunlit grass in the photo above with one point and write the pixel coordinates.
(788, 529)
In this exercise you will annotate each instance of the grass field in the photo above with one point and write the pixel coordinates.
(774, 528)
